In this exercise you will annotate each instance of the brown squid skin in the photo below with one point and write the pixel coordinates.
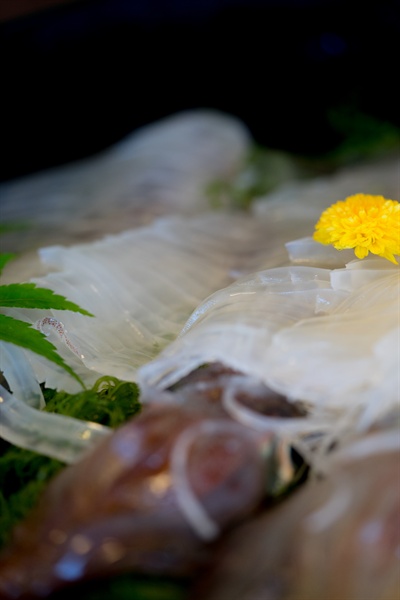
(337, 538)
(118, 509)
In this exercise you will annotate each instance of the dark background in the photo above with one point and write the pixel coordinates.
(78, 76)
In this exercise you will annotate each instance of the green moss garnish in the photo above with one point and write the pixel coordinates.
(110, 402)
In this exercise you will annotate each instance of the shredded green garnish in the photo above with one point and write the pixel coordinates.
(110, 402)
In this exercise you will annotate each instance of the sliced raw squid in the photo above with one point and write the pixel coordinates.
(326, 338)
(161, 169)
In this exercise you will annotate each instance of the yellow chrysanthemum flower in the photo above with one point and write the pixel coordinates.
(363, 222)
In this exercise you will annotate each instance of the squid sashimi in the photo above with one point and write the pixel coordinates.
(160, 169)
(327, 338)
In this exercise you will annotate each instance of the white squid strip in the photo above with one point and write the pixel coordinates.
(236, 324)
(50, 434)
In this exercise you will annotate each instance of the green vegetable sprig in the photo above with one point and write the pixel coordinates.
(20, 333)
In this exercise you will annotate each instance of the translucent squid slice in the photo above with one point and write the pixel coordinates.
(336, 350)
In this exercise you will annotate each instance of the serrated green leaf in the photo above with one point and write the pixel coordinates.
(22, 334)
(5, 257)
(28, 295)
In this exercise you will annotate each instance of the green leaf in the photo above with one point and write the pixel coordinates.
(28, 295)
(5, 257)
(22, 334)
